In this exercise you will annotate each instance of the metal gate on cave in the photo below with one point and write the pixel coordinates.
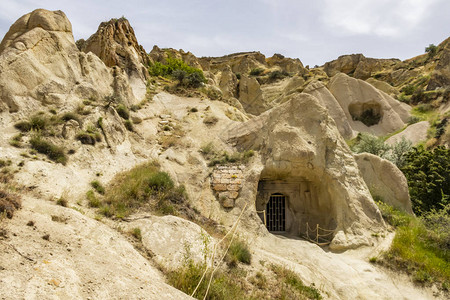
(276, 212)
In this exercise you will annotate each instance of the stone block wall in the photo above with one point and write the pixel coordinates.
(226, 183)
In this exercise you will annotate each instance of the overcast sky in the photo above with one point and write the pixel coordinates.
(315, 31)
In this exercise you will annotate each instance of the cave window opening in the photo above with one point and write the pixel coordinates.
(276, 212)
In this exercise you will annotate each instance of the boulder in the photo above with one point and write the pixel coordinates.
(301, 148)
(241, 63)
(368, 109)
(40, 65)
(414, 133)
(385, 181)
(318, 90)
(172, 239)
(116, 45)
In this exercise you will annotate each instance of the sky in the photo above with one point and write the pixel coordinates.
(315, 31)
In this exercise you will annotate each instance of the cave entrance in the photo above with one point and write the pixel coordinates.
(369, 113)
(276, 212)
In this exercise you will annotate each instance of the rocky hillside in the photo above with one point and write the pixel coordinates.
(125, 174)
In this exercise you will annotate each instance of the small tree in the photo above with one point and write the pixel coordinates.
(431, 50)
(428, 175)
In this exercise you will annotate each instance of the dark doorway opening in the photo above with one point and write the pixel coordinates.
(276, 212)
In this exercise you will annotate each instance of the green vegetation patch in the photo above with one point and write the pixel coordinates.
(52, 151)
(421, 245)
(179, 70)
(144, 185)
(293, 285)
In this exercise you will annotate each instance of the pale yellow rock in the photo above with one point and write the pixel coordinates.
(414, 133)
(385, 180)
(318, 90)
(299, 140)
(41, 65)
(357, 97)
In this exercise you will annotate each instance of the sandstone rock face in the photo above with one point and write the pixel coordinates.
(241, 63)
(81, 259)
(368, 109)
(40, 64)
(228, 83)
(383, 86)
(116, 45)
(440, 78)
(414, 133)
(170, 239)
(286, 64)
(300, 146)
(250, 95)
(318, 90)
(358, 65)
(160, 55)
(385, 180)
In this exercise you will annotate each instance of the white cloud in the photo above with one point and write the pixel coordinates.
(382, 17)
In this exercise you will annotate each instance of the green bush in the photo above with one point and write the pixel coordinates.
(93, 201)
(128, 125)
(87, 138)
(123, 111)
(96, 185)
(239, 252)
(371, 144)
(136, 232)
(431, 50)
(36, 122)
(256, 71)
(52, 151)
(276, 75)
(178, 69)
(408, 89)
(428, 175)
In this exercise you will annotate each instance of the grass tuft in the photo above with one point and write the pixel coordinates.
(52, 151)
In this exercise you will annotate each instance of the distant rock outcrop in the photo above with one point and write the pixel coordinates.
(116, 45)
(358, 65)
(40, 64)
(440, 78)
(385, 181)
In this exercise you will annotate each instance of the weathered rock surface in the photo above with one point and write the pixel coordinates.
(414, 133)
(286, 64)
(250, 95)
(385, 180)
(318, 90)
(358, 65)
(116, 45)
(81, 258)
(40, 64)
(241, 63)
(317, 154)
(368, 109)
(171, 240)
(384, 86)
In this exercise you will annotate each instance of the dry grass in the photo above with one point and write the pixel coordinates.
(9, 203)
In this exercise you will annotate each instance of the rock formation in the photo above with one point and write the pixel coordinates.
(300, 145)
(40, 64)
(385, 181)
(318, 90)
(414, 133)
(357, 65)
(116, 45)
(440, 77)
(368, 109)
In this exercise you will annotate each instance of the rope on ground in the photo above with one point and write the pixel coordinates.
(318, 235)
(233, 229)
